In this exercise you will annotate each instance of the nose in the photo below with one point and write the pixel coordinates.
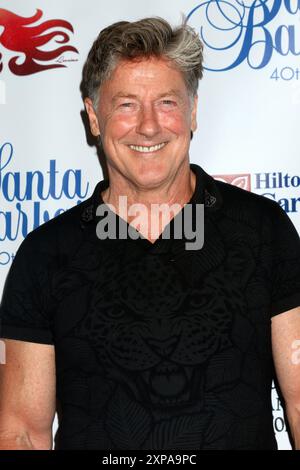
(148, 124)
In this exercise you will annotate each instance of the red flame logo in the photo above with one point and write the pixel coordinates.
(20, 37)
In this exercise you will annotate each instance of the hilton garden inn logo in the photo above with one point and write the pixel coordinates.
(271, 185)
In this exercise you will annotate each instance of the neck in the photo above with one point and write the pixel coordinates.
(175, 192)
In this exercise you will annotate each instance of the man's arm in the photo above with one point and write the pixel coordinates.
(286, 354)
(27, 396)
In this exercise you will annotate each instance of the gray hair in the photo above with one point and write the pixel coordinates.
(147, 37)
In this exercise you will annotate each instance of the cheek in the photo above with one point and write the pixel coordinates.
(176, 122)
(119, 126)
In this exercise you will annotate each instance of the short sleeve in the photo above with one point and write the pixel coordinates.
(23, 307)
(285, 273)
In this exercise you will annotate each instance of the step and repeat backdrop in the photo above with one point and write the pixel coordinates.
(248, 116)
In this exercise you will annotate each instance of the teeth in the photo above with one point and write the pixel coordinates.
(153, 148)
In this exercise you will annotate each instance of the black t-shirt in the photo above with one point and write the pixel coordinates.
(156, 346)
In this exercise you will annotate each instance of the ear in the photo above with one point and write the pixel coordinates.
(194, 114)
(94, 124)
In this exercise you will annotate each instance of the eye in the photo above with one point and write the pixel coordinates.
(126, 105)
(168, 102)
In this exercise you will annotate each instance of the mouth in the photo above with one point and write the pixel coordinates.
(147, 149)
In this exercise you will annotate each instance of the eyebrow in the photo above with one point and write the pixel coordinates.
(123, 95)
(170, 92)
(173, 91)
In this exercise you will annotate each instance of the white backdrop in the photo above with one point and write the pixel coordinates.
(247, 118)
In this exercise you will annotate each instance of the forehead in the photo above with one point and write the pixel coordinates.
(145, 74)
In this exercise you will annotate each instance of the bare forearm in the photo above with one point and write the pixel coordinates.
(15, 441)
(23, 441)
(296, 436)
(293, 414)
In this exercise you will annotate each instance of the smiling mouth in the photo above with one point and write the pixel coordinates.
(147, 149)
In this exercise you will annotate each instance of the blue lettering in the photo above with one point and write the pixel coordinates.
(290, 40)
(290, 8)
(4, 258)
(250, 25)
(35, 186)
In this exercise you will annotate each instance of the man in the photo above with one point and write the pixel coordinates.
(144, 343)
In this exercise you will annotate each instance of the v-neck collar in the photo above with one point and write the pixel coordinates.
(205, 192)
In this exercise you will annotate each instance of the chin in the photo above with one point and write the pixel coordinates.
(151, 175)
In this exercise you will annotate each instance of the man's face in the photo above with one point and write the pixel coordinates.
(145, 118)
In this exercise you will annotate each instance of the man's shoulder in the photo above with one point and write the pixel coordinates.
(234, 196)
(60, 232)
(244, 205)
